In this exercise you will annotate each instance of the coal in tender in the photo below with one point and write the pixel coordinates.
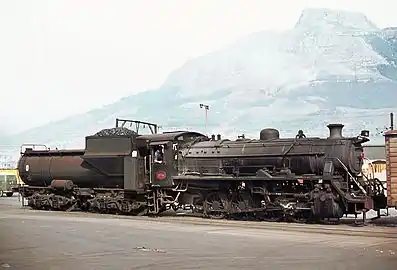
(118, 131)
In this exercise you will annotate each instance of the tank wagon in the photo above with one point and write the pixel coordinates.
(270, 178)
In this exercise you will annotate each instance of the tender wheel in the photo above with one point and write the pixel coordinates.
(9, 194)
(216, 205)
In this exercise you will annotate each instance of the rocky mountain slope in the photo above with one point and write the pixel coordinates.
(333, 66)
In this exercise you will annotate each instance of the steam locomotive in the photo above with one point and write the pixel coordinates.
(271, 178)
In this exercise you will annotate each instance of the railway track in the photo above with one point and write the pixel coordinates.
(371, 230)
(380, 228)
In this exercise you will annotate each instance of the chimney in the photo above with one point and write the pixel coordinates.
(335, 131)
(218, 137)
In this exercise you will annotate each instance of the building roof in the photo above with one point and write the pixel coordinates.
(375, 152)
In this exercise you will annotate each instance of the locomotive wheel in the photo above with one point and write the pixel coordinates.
(216, 205)
(241, 202)
(198, 203)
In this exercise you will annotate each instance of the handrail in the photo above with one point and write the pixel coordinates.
(349, 174)
(33, 145)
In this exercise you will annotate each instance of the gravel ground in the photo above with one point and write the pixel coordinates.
(55, 240)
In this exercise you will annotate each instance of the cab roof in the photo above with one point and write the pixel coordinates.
(169, 136)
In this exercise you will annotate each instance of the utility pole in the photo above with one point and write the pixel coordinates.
(206, 109)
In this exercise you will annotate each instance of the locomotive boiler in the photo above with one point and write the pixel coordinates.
(270, 178)
(301, 155)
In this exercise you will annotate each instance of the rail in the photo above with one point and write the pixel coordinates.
(32, 146)
(122, 122)
(376, 183)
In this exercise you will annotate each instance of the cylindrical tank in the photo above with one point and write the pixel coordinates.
(39, 168)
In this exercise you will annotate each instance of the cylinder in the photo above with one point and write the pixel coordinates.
(62, 184)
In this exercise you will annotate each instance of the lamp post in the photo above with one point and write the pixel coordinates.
(206, 109)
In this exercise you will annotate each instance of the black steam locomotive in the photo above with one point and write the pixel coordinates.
(273, 178)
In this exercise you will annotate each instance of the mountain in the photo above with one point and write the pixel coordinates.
(333, 66)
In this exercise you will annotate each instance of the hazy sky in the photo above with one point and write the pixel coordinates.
(59, 58)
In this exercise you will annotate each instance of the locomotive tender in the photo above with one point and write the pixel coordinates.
(273, 178)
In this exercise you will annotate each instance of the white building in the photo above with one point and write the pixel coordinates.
(7, 162)
(375, 162)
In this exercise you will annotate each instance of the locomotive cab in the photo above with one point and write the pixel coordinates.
(161, 158)
(161, 163)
